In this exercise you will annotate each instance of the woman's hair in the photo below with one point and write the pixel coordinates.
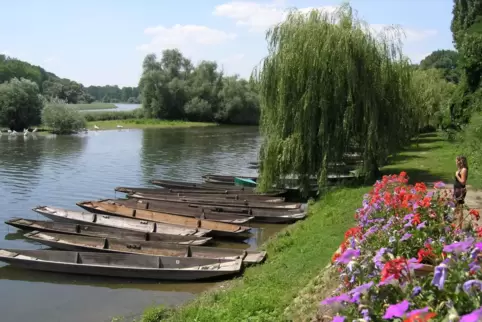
(462, 161)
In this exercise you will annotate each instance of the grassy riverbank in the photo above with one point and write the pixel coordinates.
(298, 254)
(144, 124)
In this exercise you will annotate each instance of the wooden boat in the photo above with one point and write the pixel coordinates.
(186, 209)
(243, 182)
(216, 228)
(121, 265)
(217, 178)
(63, 215)
(106, 244)
(273, 196)
(103, 231)
(168, 184)
(173, 214)
(227, 203)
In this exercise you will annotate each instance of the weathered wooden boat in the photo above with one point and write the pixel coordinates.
(187, 209)
(218, 178)
(227, 203)
(273, 196)
(169, 184)
(230, 218)
(103, 231)
(121, 265)
(106, 244)
(216, 228)
(63, 215)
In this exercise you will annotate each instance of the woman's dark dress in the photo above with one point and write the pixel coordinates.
(459, 191)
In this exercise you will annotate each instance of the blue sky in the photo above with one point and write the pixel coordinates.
(104, 42)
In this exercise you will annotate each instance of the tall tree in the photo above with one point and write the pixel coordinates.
(444, 60)
(327, 87)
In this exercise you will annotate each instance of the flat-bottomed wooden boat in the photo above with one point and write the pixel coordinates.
(172, 215)
(63, 215)
(273, 196)
(103, 231)
(227, 203)
(91, 243)
(274, 216)
(216, 228)
(121, 265)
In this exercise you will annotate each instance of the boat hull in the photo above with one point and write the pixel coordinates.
(101, 231)
(121, 265)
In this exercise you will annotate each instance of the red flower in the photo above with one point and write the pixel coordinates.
(420, 317)
(474, 213)
(335, 257)
(426, 253)
(416, 219)
(394, 267)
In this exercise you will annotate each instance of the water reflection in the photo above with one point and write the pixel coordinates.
(62, 170)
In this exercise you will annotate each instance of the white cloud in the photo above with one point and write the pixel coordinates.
(183, 36)
(259, 17)
(408, 34)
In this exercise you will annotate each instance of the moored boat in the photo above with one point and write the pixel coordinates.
(63, 215)
(103, 231)
(245, 182)
(216, 228)
(258, 215)
(106, 244)
(218, 178)
(227, 203)
(172, 216)
(121, 264)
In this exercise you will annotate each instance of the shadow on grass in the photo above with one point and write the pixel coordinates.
(429, 139)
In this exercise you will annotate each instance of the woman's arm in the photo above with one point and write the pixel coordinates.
(463, 176)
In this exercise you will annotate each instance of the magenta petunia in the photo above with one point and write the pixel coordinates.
(459, 247)
(474, 316)
(338, 318)
(348, 256)
(396, 310)
(336, 299)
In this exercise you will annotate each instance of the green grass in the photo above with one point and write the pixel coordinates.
(144, 124)
(298, 254)
(93, 106)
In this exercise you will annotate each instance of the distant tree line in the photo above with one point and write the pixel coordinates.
(114, 94)
(173, 88)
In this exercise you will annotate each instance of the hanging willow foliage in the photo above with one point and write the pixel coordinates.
(329, 87)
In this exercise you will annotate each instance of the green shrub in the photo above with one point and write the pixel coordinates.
(20, 104)
(62, 119)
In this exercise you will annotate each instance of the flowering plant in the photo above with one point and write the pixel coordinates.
(403, 230)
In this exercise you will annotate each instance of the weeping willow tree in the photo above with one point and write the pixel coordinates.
(330, 86)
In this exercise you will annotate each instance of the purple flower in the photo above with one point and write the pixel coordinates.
(396, 310)
(338, 318)
(348, 255)
(416, 291)
(439, 276)
(421, 225)
(388, 280)
(405, 237)
(336, 299)
(478, 246)
(439, 185)
(366, 315)
(362, 288)
(472, 285)
(378, 257)
(407, 225)
(408, 217)
(475, 316)
(459, 247)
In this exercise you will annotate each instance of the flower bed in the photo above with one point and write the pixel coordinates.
(406, 260)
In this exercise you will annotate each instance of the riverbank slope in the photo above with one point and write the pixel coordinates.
(287, 286)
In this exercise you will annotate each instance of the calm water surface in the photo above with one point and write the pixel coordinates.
(62, 170)
(120, 108)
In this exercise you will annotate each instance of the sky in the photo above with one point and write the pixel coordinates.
(103, 42)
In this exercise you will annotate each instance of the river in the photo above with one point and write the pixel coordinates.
(62, 170)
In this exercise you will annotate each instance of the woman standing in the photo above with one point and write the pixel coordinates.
(460, 189)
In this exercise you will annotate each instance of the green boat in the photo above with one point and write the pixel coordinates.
(244, 182)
